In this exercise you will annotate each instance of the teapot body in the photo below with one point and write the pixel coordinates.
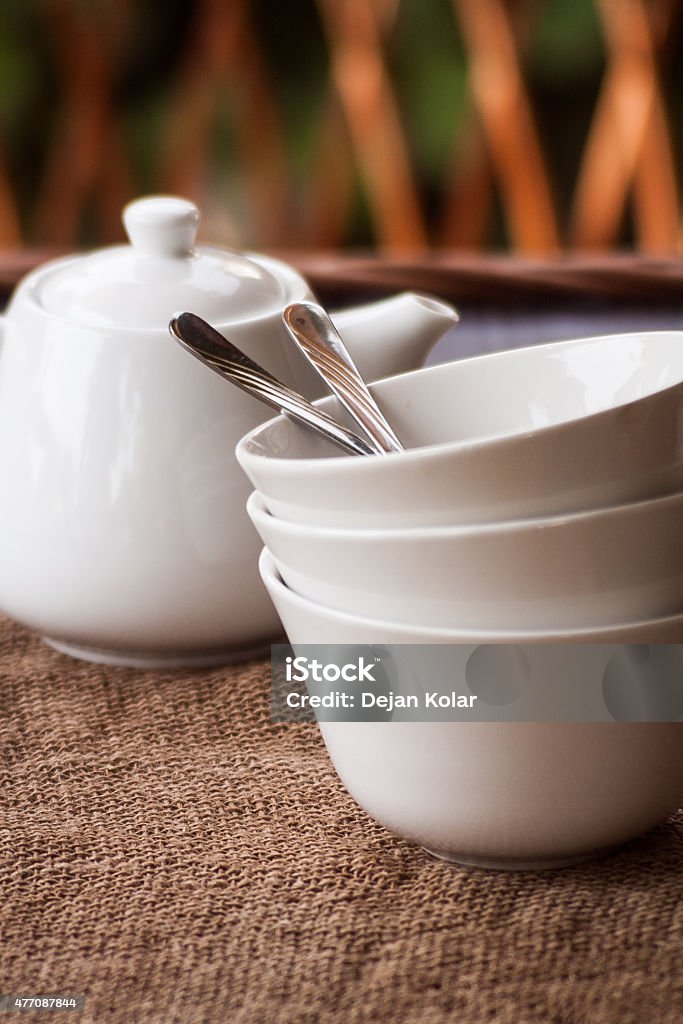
(123, 535)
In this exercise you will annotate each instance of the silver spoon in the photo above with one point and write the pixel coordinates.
(319, 340)
(211, 348)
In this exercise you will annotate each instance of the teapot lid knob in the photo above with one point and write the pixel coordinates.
(162, 225)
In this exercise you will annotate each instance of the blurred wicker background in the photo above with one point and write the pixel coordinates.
(405, 125)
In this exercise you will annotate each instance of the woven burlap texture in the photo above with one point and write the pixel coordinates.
(175, 858)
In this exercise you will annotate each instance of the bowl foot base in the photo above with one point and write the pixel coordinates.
(160, 659)
(514, 863)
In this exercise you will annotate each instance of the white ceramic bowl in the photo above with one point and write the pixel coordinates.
(511, 794)
(497, 794)
(549, 429)
(579, 571)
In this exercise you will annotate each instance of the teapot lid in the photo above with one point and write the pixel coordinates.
(160, 273)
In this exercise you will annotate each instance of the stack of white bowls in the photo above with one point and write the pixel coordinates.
(540, 500)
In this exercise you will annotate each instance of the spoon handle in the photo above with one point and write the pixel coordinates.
(211, 348)
(317, 337)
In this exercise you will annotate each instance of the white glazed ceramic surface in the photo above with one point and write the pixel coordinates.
(603, 676)
(123, 535)
(545, 430)
(511, 794)
(121, 523)
(309, 622)
(580, 571)
(498, 794)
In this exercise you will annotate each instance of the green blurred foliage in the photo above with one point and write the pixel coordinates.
(17, 65)
(566, 41)
(430, 71)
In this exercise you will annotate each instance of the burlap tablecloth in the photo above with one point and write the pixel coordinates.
(172, 856)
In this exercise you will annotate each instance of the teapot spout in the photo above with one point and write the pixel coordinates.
(394, 335)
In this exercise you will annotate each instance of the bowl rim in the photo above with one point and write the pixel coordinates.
(600, 634)
(257, 510)
(247, 451)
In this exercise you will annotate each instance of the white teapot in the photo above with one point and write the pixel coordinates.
(123, 532)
